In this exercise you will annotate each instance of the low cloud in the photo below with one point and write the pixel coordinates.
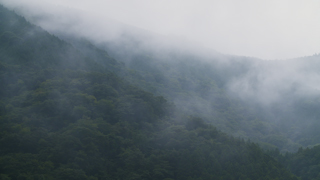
(264, 29)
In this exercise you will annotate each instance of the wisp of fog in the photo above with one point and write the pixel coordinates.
(264, 29)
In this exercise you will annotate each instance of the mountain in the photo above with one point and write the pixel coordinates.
(271, 102)
(242, 96)
(74, 112)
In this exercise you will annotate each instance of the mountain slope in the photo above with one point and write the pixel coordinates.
(66, 115)
(270, 102)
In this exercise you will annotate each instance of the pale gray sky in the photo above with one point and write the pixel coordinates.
(268, 29)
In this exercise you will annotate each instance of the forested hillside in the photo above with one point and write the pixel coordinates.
(304, 163)
(69, 113)
(199, 84)
(271, 102)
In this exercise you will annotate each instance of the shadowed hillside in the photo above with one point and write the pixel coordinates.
(69, 113)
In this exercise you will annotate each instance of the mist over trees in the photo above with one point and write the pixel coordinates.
(75, 108)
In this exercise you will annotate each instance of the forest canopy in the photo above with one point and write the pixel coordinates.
(71, 110)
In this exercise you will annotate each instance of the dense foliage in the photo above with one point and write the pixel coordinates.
(304, 163)
(197, 83)
(274, 103)
(68, 115)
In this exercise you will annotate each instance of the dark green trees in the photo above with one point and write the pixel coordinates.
(64, 116)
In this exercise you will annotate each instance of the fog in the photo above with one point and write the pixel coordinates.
(201, 45)
(264, 29)
(269, 82)
(267, 30)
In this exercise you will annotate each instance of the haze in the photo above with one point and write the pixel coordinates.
(270, 29)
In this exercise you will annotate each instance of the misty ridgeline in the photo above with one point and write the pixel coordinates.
(140, 106)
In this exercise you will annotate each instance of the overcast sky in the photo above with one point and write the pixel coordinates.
(268, 29)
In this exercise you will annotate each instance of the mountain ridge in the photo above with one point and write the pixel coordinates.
(68, 116)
